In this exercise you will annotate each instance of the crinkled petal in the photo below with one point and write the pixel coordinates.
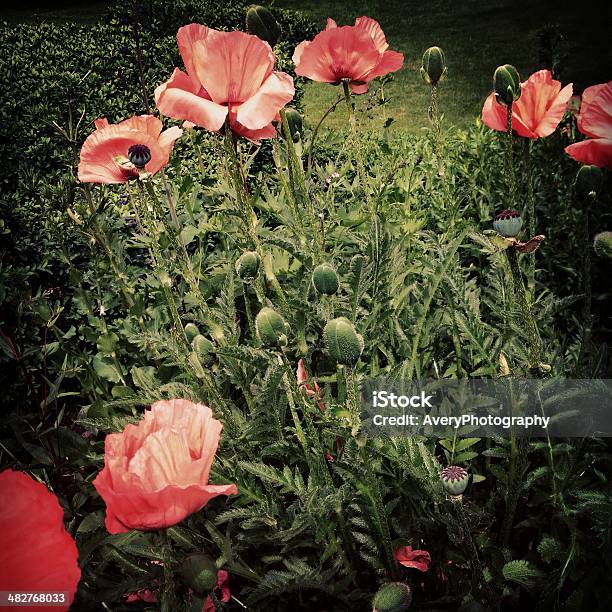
(372, 27)
(232, 66)
(391, 61)
(595, 117)
(330, 23)
(593, 151)
(186, 37)
(259, 110)
(179, 99)
(494, 114)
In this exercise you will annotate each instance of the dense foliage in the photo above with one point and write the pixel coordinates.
(119, 308)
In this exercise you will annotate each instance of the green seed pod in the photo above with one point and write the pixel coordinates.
(455, 480)
(342, 341)
(191, 331)
(392, 597)
(271, 327)
(199, 573)
(261, 23)
(434, 65)
(295, 122)
(603, 244)
(325, 279)
(507, 83)
(588, 182)
(204, 349)
(508, 223)
(247, 265)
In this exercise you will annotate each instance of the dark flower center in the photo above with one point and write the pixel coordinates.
(507, 214)
(453, 472)
(139, 155)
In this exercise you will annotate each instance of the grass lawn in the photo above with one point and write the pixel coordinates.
(477, 36)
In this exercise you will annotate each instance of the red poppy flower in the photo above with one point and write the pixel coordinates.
(108, 155)
(230, 75)
(223, 591)
(156, 472)
(357, 53)
(595, 121)
(302, 377)
(537, 112)
(36, 552)
(418, 559)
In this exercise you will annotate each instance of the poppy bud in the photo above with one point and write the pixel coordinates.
(261, 23)
(507, 84)
(139, 155)
(204, 350)
(392, 597)
(295, 122)
(434, 65)
(455, 480)
(508, 223)
(342, 341)
(191, 331)
(588, 182)
(271, 327)
(603, 244)
(199, 573)
(325, 279)
(247, 265)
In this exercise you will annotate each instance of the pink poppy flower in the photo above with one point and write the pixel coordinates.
(537, 113)
(356, 53)
(108, 155)
(418, 559)
(156, 472)
(595, 121)
(222, 589)
(302, 377)
(36, 551)
(229, 75)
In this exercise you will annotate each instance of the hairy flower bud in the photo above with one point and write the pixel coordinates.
(342, 341)
(392, 597)
(271, 327)
(295, 122)
(204, 349)
(325, 279)
(247, 265)
(508, 223)
(588, 182)
(603, 244)
(434, 65)
(507, 83)
(455, 480)
(199, 573)
(191, 331)
(261, 23)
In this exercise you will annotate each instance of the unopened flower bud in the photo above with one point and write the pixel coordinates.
(204, 349)
(199, 573)
(295, 123)
(507, 83)
(455, 480)
(344, 345)
(434, 65)
(508, 223)
(191, 331)
(271, 327)
(603, 244)
(261, 23)
(588, 182)
(139, 155)
(247, 265)
(392, 597)
(325, 279)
